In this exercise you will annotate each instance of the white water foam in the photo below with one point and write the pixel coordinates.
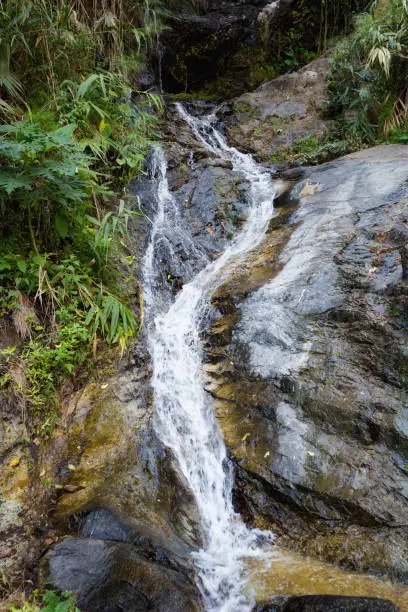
(184, 413)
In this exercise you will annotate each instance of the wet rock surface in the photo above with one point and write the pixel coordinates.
(209, 200)
(16, 495)
(312, 324)
(308, 366)
(205, 43)
(113, 566)
(324, 603)
(135, 520)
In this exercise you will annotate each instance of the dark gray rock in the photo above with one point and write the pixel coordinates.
(203, 40)
(328, 603)
(107, 575)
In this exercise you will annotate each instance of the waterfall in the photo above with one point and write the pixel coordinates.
(184, 413)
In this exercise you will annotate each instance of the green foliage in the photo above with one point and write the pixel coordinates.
(113, 227)
(49, 602)
(57, 253)
(48, 361)
(310, 150)
(108, 316)
(306, 30)
(367, 82)
(44, 42)
(117, 135)
(83, 132)
(43, 173)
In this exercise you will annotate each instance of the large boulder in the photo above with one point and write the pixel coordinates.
(112, 566)
(282, 118)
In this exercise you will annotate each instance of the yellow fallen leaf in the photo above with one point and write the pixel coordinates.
(71, 467)
(266, 455)
(42, 473)
(14, 462)
(310, 453)
(105, 386)
(245, 437)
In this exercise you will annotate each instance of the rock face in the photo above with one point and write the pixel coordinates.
(323, 603)
(271, 120)
(130, 519)
(114, 566)
(212, 39)
(312, 393)
(16, 495)
(308, 364)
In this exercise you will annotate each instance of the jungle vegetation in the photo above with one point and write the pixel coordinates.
(367, 85)
(74, 130)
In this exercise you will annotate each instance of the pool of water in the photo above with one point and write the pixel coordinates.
(287, 573)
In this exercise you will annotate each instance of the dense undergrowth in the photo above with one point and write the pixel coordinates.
(367, 85)
(73, 132)
(312, 25)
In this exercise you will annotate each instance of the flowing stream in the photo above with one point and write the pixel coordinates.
(184, 413)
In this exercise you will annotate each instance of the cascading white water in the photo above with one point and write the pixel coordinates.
(184, 414)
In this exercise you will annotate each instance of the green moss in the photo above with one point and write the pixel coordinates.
(201, 94)
(282, 154)
(240, 108)
(310, 150)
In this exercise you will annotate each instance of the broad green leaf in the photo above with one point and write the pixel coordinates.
(39, 260)
(64, 134)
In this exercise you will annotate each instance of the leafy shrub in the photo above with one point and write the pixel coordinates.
(48, 361)
(49, 602)
(47, 41)
(116, 134)
(367, 82)
(45, 174)
(65, 68)
(59, 257)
